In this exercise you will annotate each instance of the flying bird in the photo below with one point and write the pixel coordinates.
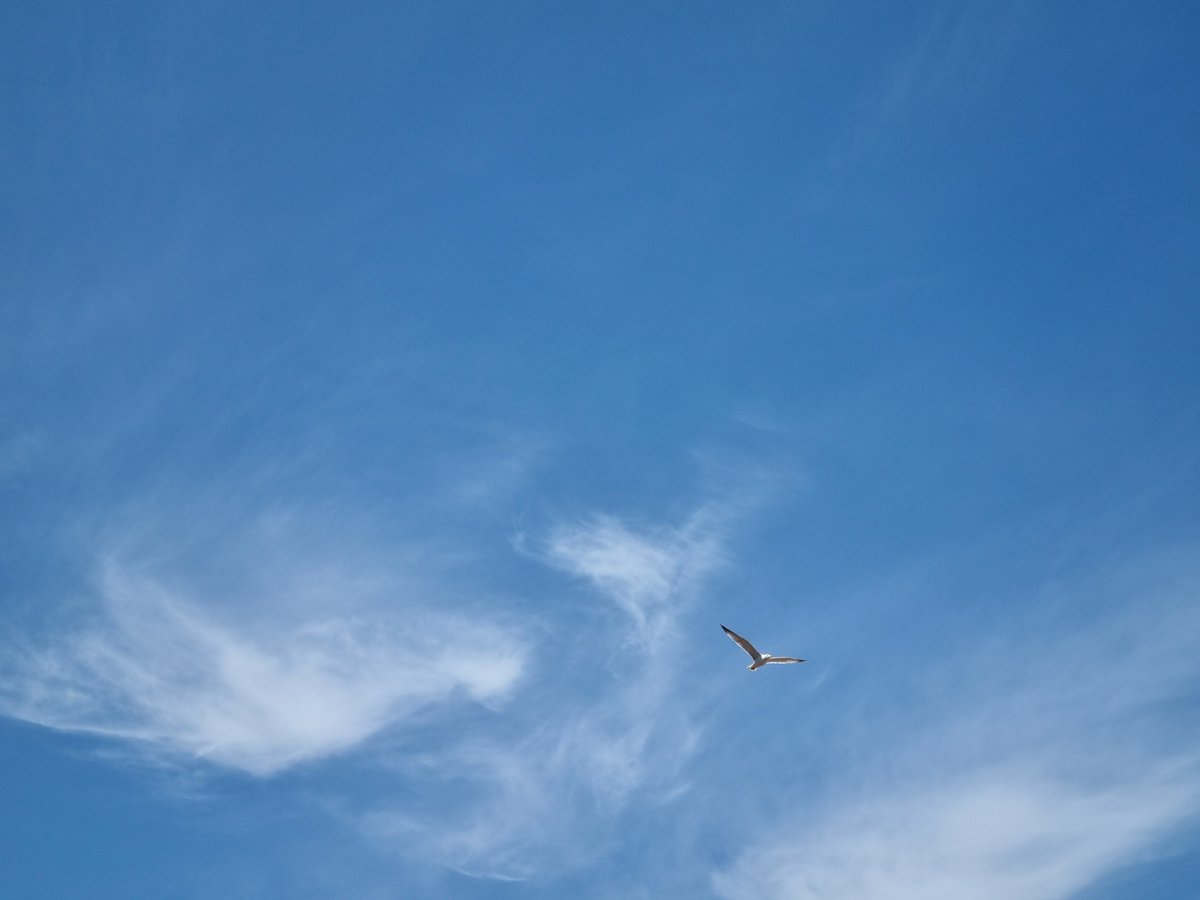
(760, 659)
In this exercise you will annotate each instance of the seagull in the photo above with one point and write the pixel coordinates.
(760, 659)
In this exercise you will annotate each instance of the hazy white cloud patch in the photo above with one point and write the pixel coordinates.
(991, 835)
(551, 797)
(1023, 773)
(647, 571)
(152, 665)
(607, 727)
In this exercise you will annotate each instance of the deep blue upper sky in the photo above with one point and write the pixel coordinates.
(394, 400)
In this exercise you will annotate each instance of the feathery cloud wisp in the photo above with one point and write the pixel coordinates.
(647, 572)
(153, 667)
(991, 835)
(545, 799)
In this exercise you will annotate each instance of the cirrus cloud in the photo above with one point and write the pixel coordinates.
(152, 666)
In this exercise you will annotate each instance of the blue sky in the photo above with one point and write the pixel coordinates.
(396, 399)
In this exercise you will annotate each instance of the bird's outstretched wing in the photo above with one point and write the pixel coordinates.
(743, 643)
(783, 659)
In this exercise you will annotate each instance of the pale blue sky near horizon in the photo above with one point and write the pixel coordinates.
(396, 399)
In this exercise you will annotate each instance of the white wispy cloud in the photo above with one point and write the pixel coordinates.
(1021, 774)
(606, 728)
(151, 665)
(990, 835)
(550, 798)
(648, 572)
